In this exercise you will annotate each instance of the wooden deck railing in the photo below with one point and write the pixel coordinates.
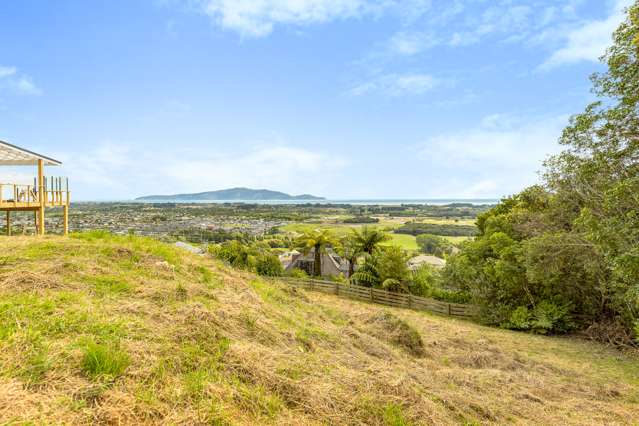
(19, 195)
(383, 297)
(16, 194)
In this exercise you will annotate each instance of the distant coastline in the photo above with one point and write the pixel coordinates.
(363, 202)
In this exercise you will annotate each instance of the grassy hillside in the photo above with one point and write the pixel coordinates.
(103, 329)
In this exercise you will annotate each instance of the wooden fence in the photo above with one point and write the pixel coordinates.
(383, 297)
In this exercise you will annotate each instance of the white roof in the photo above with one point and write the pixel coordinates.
(11, 155)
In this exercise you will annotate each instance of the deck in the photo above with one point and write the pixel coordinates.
(25, 197)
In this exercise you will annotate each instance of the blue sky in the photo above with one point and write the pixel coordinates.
(340, 98)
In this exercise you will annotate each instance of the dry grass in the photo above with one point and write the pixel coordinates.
(206, 344)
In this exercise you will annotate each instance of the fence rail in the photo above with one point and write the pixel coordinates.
(383, 297)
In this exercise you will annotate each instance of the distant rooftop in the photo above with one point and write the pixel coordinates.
(433, 261)
(11, 155)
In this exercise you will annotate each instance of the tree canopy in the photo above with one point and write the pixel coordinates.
(565, 255)
(316, 241)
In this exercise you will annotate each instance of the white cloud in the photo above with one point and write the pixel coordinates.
(116, 170)
(588, 42)
(7, 71)
(14, 82)
(501, 155)
(397, 85)
(408, 43)
(256, 18)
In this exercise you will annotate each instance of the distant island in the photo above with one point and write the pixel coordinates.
(232, 194)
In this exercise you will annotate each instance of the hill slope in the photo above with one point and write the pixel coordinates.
(232, 194)
(103, 329)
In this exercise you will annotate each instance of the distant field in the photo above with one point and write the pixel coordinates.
(398, 221)
(407, 242)
(457, 240)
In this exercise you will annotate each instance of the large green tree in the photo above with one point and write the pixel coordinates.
(566, 254)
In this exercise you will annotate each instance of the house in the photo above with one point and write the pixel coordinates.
(425, 259)
(46, 192)
(287, 257)
(332, 263)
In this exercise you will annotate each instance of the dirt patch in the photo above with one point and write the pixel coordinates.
(27, 280)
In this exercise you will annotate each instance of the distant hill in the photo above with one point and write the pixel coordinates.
(232, 194)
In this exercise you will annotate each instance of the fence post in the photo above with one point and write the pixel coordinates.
(337, 289)
(371, 293)
(409, 301)
(449, 309)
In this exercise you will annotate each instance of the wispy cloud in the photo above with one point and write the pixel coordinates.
(408, 43)
(397, 85)
(501, 155)
(458, 23)
(589, 40)
(7, 71)
(13, 81)
(257, 18)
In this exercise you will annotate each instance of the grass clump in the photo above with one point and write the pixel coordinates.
(104, 362)
(398, 332)
(393, 415)
(105, 285)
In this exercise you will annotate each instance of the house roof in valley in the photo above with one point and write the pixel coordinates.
(12, 155)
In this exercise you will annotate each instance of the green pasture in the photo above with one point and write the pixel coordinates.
(405, 241)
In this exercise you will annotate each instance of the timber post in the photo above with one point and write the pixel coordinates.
(65, 219)
(8, 223)
(65, 210)
(41, 196)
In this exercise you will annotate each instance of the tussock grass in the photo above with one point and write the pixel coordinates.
(125, 330)
(103, 361)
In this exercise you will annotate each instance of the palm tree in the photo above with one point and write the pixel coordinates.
(351, 250)
(369, 238)
(316, 240)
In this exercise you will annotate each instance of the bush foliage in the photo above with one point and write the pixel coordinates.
(565, 255)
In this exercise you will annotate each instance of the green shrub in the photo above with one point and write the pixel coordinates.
(545, 318)
(297, 273)
(427, 282)
(519, 319)
(550, 317)
(268, 265)
(101, 361)
(237, 254)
